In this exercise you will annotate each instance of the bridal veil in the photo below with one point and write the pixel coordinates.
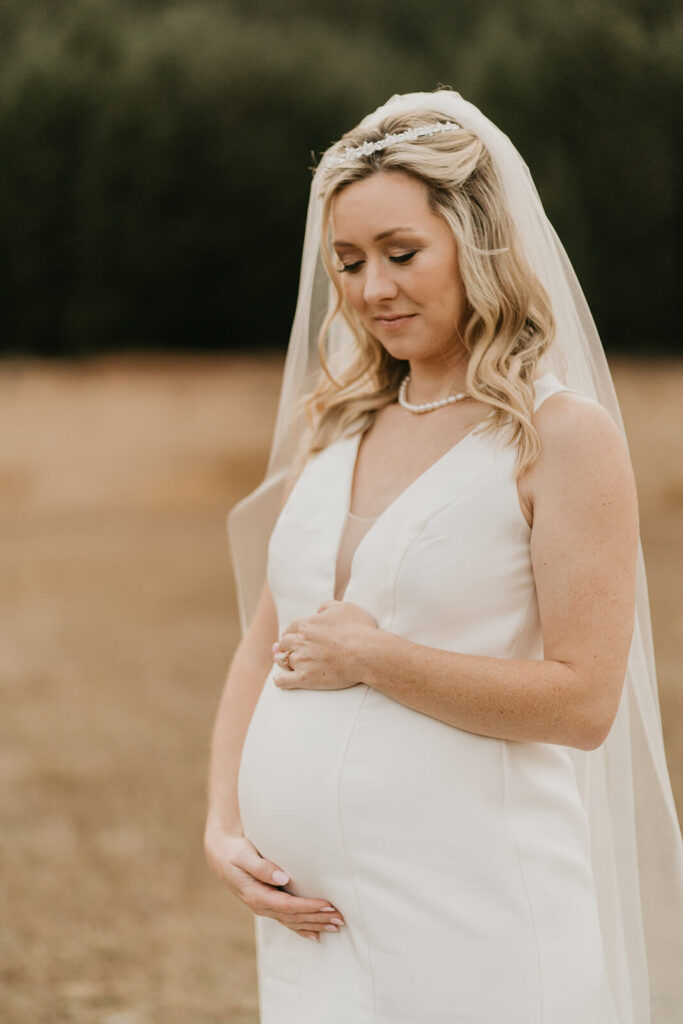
(636, 844)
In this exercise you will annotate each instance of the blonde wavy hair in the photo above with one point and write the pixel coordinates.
(509, 317)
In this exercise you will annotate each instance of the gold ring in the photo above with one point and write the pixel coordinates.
(285, 660)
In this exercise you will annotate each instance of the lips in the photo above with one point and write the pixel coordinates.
(394, 316)
(394, 320)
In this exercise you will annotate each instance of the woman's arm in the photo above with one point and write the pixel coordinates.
(584, 544)
(248, 670)
(247, 674)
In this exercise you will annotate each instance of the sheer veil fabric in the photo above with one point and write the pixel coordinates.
(636, 845)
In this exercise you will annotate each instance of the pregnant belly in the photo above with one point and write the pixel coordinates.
(291, 764)
(350, 782)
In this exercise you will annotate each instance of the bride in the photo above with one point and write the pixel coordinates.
(439, 738)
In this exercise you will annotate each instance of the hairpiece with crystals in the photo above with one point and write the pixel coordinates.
(351, 152)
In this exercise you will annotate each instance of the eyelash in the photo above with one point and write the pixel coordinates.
(352, 268)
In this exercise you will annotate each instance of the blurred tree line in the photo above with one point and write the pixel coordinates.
(155, 156)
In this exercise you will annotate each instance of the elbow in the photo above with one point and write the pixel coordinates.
(592, 738)
(595, 724)
(591, 707)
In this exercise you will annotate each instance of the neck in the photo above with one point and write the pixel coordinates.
(430, 381)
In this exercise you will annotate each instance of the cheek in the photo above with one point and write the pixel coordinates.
(441, 291)
(352, 290)
(433, 291)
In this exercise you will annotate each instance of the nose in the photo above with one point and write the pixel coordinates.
(379, 282)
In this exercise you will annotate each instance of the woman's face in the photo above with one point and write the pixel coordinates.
(399, 266)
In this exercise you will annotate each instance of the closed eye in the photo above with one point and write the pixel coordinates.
(353, 268)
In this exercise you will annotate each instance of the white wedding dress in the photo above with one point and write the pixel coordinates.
(460, 862)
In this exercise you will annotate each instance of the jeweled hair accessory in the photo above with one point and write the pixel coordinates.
(351, 152)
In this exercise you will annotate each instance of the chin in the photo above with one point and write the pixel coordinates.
(394, 344)
(405, 350)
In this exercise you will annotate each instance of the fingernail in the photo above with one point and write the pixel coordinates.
(279, 877)
(313, 938)
(330, 908)
(335, 920)
(330, 927)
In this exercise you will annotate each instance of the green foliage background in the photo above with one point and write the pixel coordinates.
(155, 156)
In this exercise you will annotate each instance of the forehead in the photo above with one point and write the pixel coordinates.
(379, 198)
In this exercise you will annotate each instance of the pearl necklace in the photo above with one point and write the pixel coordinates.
(427, 406)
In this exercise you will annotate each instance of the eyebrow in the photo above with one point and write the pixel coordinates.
(377, 238)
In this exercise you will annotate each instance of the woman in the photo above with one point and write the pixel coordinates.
(439, 738)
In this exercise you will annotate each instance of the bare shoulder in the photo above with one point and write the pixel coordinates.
(571, 425)
(582, 451)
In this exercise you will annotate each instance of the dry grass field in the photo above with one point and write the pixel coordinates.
(118, 621)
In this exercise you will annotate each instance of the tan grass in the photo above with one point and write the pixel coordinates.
(118, 623)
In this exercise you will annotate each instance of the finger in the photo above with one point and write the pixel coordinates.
(280, 646)
(283, 661)
(313, 929)
(289, 639)
(261, 868)
(319, 919)
(283, 905)
(286, 679)
(266, 875)
(288, 643)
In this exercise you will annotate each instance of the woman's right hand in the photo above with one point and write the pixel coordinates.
(251, 878)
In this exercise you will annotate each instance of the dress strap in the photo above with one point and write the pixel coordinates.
(546, 386)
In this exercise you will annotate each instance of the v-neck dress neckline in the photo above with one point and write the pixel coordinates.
(347, 473)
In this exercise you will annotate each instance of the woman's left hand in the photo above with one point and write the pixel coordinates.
(324, 648)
